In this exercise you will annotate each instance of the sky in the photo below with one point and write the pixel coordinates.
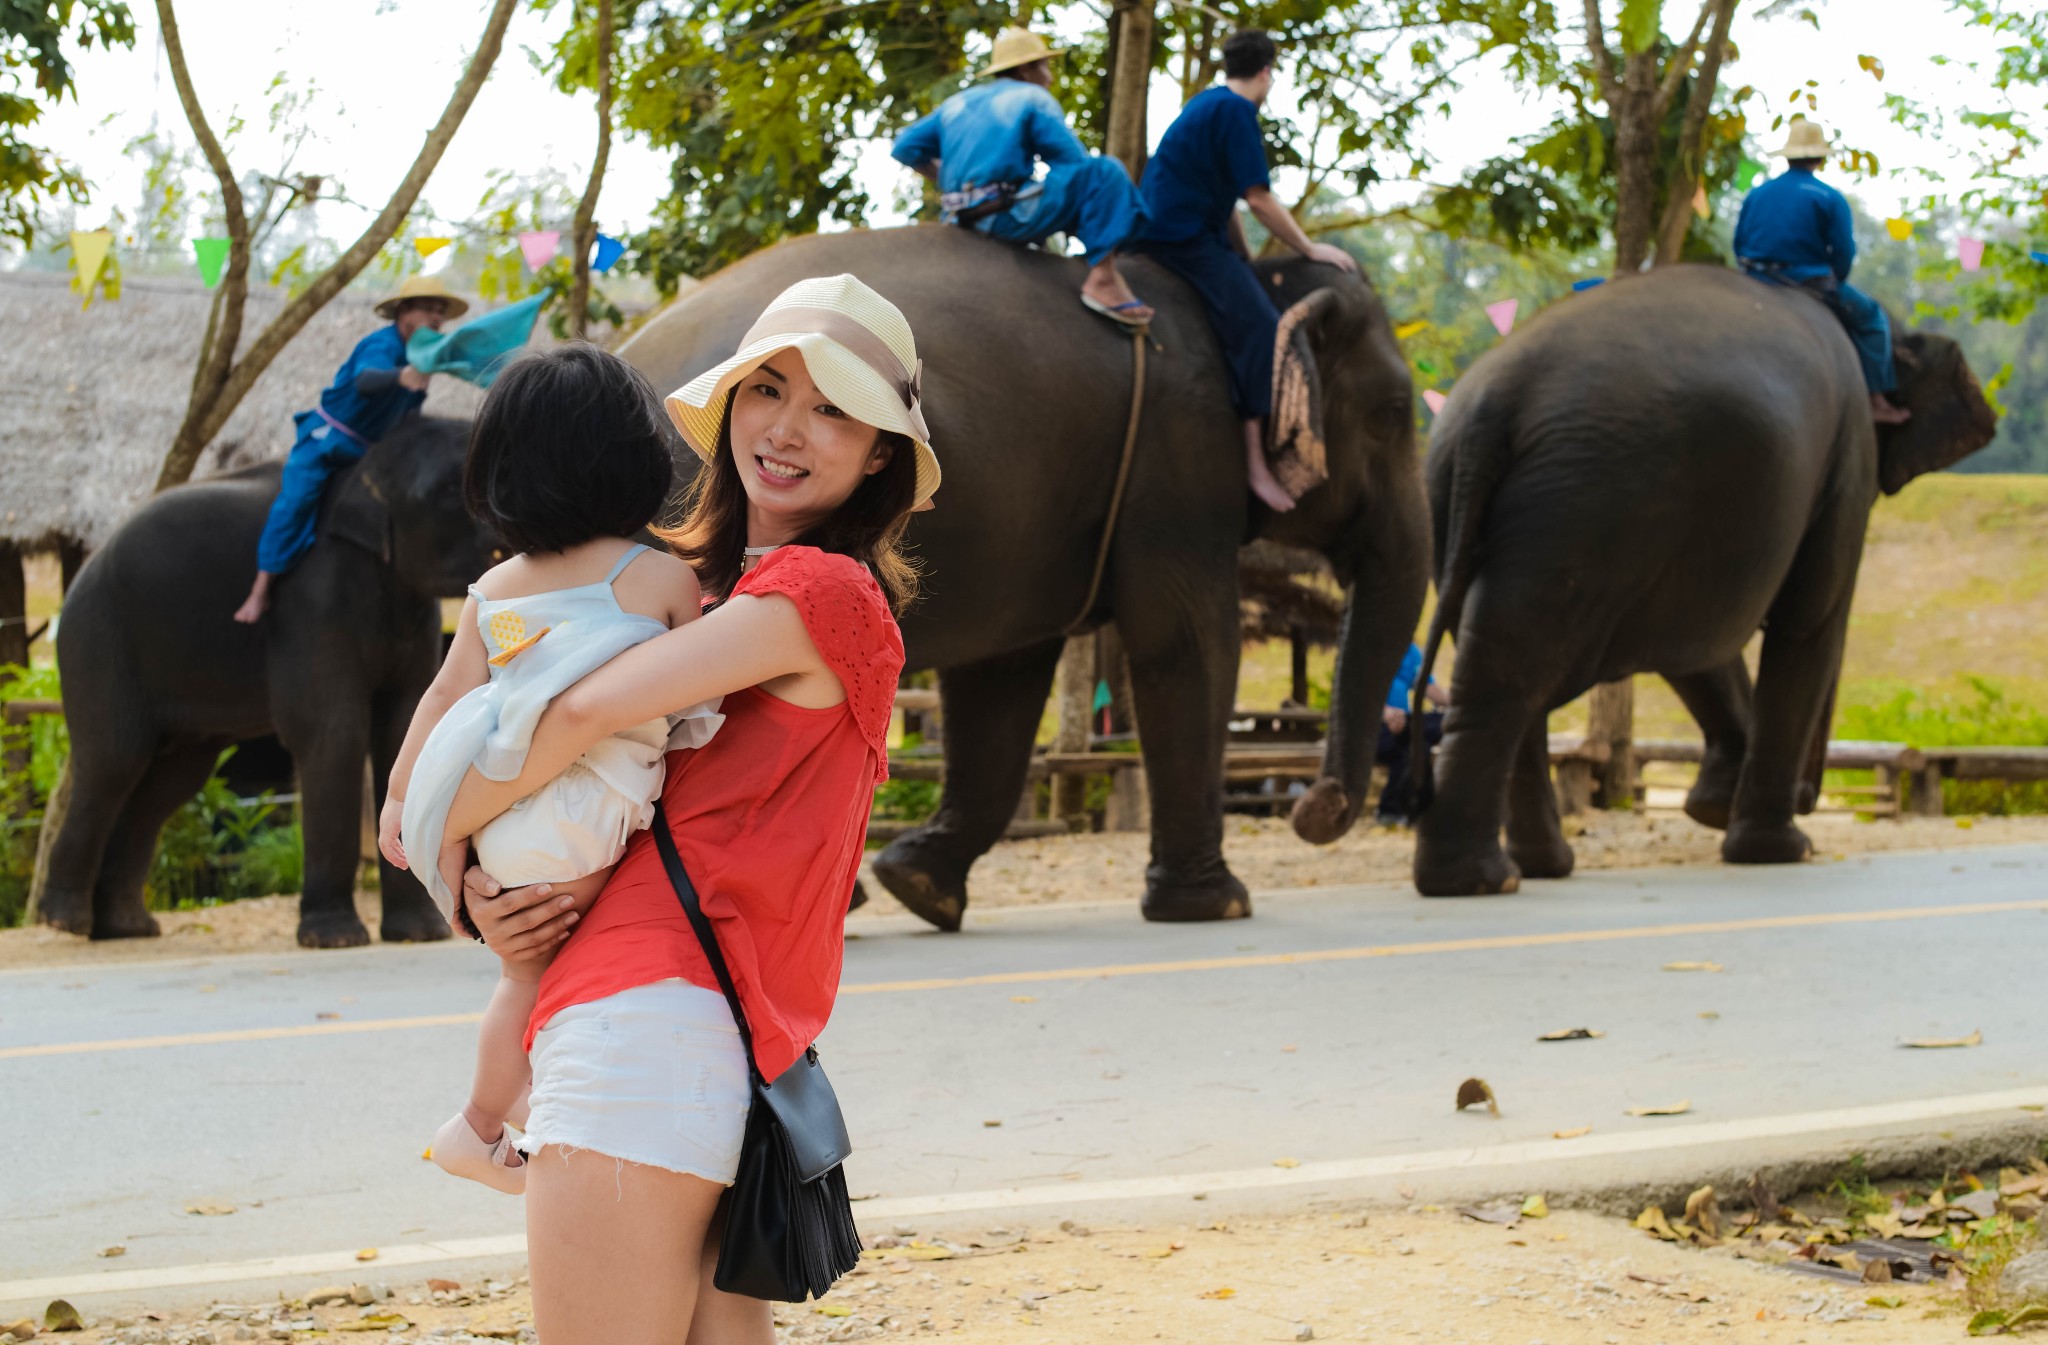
(377, 73)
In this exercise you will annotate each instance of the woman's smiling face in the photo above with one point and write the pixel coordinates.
(799, 456)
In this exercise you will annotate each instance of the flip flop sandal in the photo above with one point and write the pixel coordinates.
(1117, 313)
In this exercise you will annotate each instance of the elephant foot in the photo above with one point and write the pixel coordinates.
(410, 923)
(331, 929)
(1549, 858)
(1221, 897)
(938, 899)
(1765, 843)
(135, 924)
(1806, 798)
(70, 917)
(1711, 809)
(1487, 874)
(1324, 813)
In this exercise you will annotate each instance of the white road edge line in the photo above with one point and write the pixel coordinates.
(1647, 1140)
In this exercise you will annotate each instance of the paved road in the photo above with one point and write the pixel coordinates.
(1334, 1026)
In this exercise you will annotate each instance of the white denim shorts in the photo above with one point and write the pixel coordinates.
(653, 1075)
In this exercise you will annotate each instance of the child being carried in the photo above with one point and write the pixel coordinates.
(568, 460)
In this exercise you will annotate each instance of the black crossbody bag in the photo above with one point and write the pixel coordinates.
(789, 1232)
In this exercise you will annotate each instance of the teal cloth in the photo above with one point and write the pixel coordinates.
(479, 348)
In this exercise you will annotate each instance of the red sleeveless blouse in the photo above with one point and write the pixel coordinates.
(770, 818)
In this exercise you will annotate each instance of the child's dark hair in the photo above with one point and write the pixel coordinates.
(1246, 52)
(571, 444)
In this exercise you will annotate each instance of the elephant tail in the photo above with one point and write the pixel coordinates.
(1478, 436)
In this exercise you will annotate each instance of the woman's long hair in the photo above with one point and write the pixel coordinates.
(868, 526)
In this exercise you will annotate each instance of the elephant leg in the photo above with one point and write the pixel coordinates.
(1457, 838)
(119, 905)
(1720, 702)
(84, 809)
(1536, 842)
(330, 758)
(991, 712)
(409, 914)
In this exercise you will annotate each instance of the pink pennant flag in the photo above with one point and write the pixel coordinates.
(1970, 251)
(539, 247)
(1434, 400)
(1503, 315)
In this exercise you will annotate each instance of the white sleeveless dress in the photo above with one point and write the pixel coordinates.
(577, 823)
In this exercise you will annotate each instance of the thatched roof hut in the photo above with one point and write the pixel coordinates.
(90, 400)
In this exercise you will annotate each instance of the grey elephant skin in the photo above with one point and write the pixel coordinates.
(1027, 394)
(158, 677)
(1637, 481)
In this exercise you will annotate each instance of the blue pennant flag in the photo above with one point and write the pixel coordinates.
(2041, 257)
(609, 250)
(476, 351)
(1589, 284)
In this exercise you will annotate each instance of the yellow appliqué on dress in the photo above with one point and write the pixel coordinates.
(508, 632)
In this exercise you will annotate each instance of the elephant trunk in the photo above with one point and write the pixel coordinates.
(1389, 565)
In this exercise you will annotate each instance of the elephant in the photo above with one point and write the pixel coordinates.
(158, 678)
(1028, 397)
(1638, 481)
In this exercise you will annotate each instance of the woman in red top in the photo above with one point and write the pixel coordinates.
(817, 453)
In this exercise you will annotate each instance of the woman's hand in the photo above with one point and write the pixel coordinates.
(522, 922)
(388, 843)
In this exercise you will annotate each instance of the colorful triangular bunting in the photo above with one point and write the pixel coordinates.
(1899, 229)
(89, 249)
(1970, 251)
(213, 255)
(1434, 400)
(427, 247)
(1502, 314)
(609, 250)
(538, 247)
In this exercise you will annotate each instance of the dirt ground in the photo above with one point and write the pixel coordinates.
(1422, 1273)
(1110, 867)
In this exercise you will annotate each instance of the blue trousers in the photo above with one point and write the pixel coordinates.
(1869, 327)
(1241, 312)
(1093, 201)
(320, 452)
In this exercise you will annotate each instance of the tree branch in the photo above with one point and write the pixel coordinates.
(585, 232)
(1685, 174)
(1596, 43)
(1681, 63)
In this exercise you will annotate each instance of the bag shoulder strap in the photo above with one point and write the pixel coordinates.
(686, 892)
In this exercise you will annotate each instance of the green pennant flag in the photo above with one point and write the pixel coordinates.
(1101, 697)
(213, 254)
(1746, 174)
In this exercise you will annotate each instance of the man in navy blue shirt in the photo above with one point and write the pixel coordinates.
(981, 148)
(1210, 158)
(1796, 230)
(372, 391)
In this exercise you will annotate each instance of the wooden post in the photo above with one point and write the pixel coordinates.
(1131, 22)
(1926, 795)
(70, 559)
(1074, 697)
(1575, 779)
(13, 606)
(1297, 661)
(1610, 719)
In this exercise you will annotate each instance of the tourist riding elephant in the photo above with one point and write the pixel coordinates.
(1028, 396)
(158, 678)
(1637, 481)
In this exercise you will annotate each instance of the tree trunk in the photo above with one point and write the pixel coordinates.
(1635, 161)
(1610, 719)
(1074, 695)
(585, 232)
(13, 607)
(1129, 82)
(222, 381)
(1685, 174)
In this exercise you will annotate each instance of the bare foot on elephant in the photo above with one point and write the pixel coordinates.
(257, 603)
(1264, 484)
(1886, 412)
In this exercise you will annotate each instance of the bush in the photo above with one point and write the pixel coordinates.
(31, 755)
(1986, 718)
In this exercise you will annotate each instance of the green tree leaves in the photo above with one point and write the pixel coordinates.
(34, 73)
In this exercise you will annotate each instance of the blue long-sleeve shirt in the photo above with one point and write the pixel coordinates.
(1403, 689)
(1799, 223)
(365, 395)
(990, 133)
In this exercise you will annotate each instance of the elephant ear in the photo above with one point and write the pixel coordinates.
(1294, 440)
(1951, 416)
(358, 513)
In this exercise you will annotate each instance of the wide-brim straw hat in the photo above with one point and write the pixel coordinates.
(423, 287)
(858, 349)
(1804, 140)
(1015, 47)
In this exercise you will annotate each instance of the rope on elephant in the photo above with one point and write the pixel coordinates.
(1123, 477)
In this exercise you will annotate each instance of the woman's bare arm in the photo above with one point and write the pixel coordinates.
(753, 640)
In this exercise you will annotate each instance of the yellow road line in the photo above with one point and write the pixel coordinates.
(1105, 972)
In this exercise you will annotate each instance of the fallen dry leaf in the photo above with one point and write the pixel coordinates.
(1220, 1293)
(24, 1329)
(1942, 1043)
(376, 1321)
(1472, 1092)
(367, 1254)
(1571, 1134)
(443, 1286)
(61, 1316)
(1694, 966)
(1023, 999)
(116, 1250)
(1703, 1210)
(991, 1124)
(833, 1310)
(1506, 1215)
(1675, 1109)
(325, 1015)
(1573, 1034)
(1653, 1222)
(1535, 1207)
(1287, 1162)
(209, 1207)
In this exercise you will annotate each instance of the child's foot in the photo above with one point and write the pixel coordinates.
(461, 1152)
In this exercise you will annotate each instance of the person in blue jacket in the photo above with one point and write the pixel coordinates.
(372, 391)
(1210, 158)
(1796, 230)
(982, 147)
(1397, 798)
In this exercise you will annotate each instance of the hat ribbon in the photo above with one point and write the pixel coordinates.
(861, 343)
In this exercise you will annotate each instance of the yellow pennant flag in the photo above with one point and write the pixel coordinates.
(1699, 201)
(1408, 329)
(427, 247)
(89, 251)
(1899, 229)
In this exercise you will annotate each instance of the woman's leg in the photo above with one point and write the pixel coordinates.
(617, 1251)
(722, 1318)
